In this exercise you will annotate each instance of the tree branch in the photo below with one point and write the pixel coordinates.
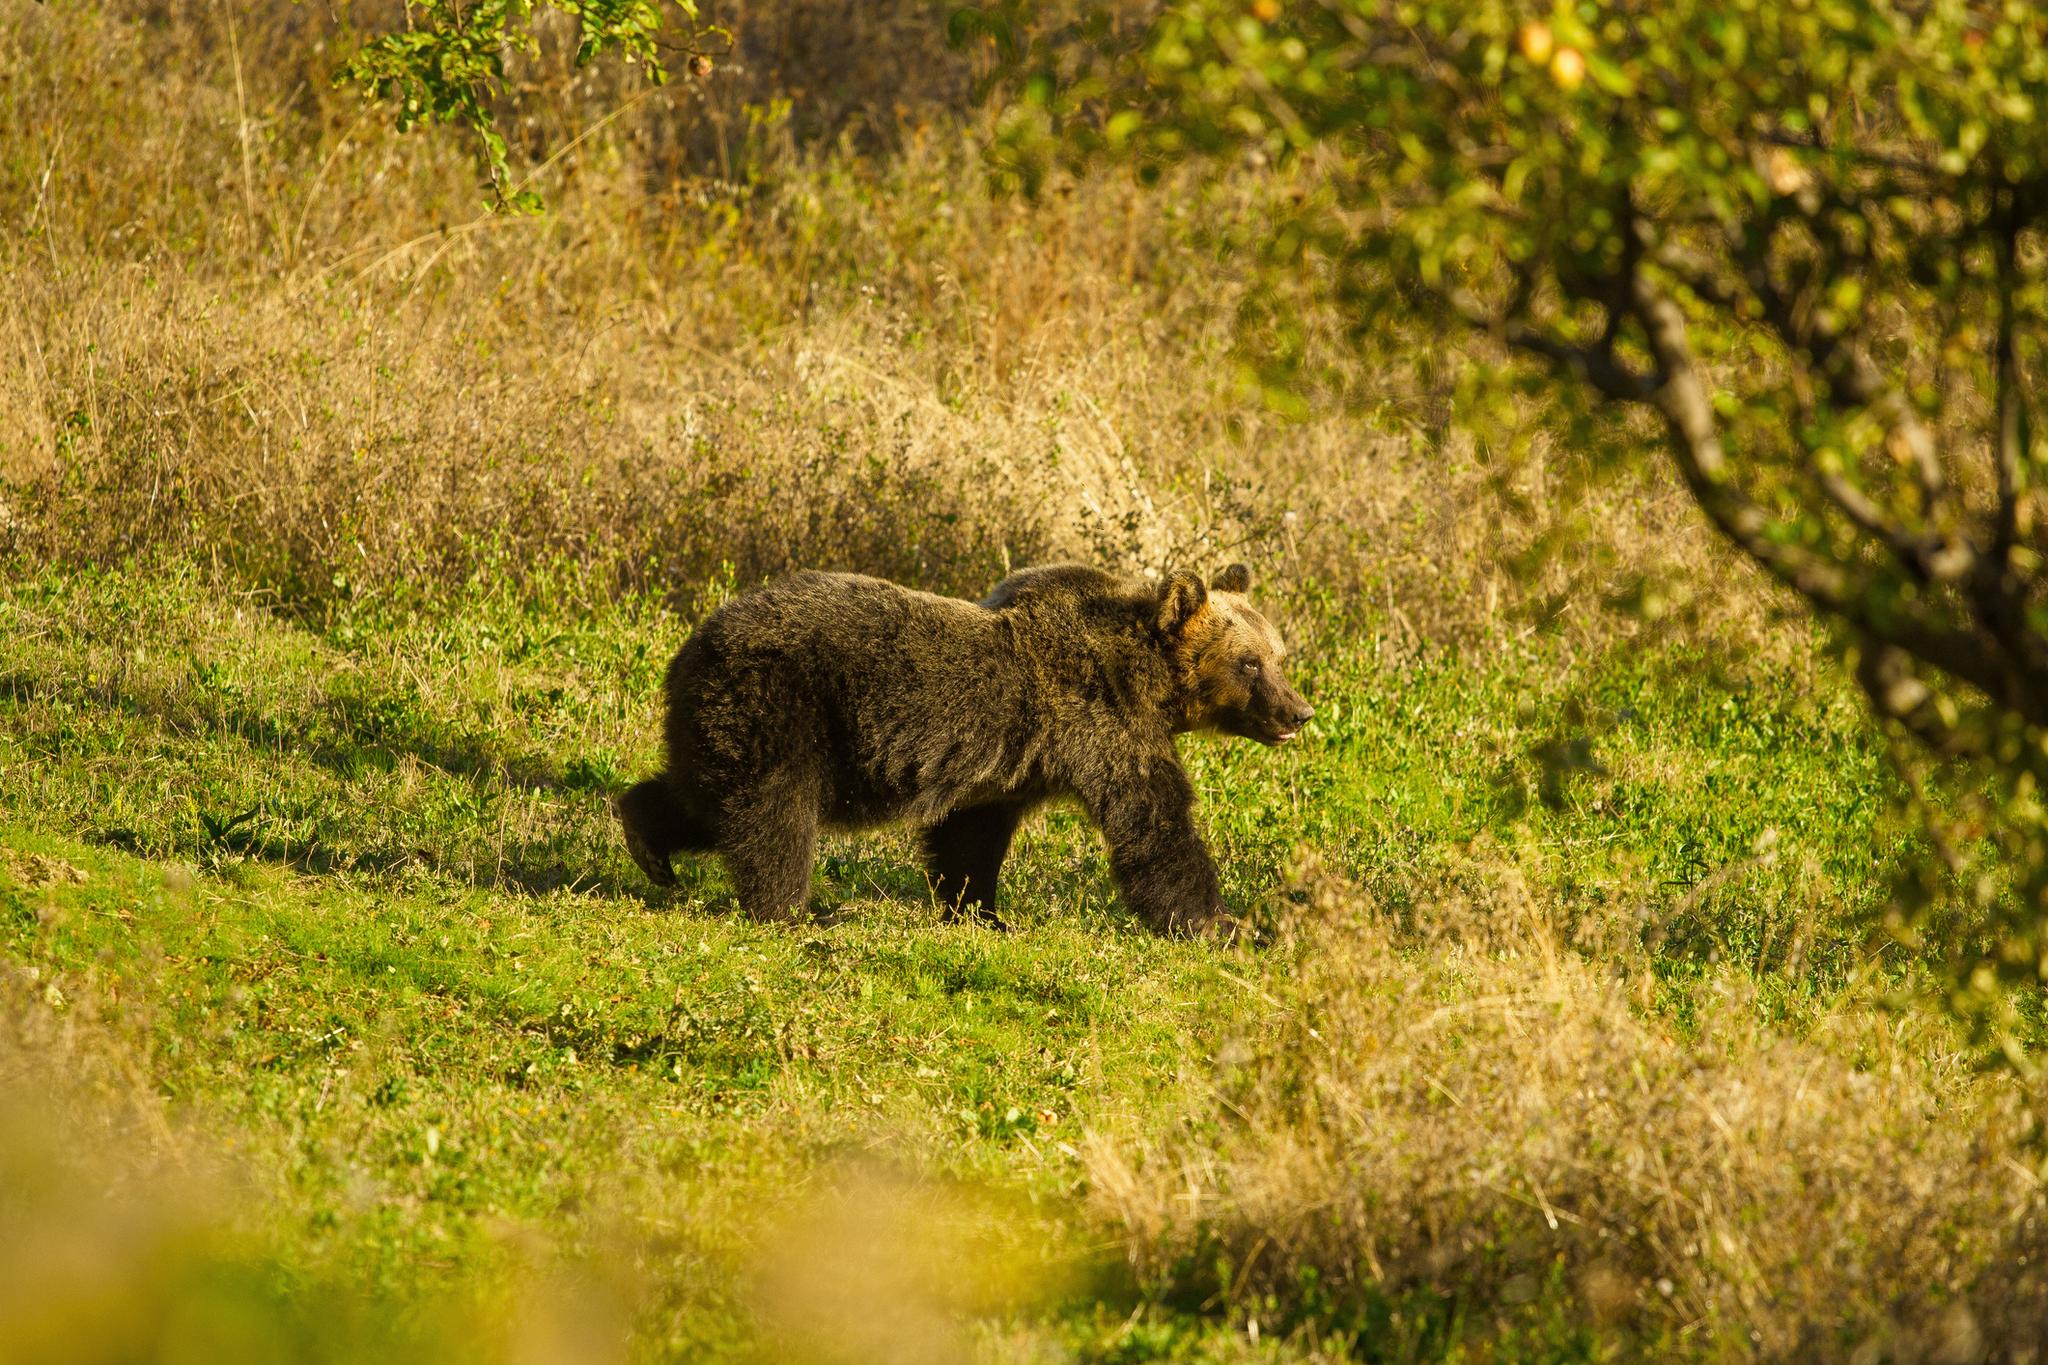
(1897, 692)
(1851, 376)
(1593, 365)
(1696, 446)
(1853, 379)
(1927, 556)
(1695, 271)
(1811, 142)
(1998, 589)
(2009, 447)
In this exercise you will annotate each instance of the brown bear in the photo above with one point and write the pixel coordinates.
(828, 700)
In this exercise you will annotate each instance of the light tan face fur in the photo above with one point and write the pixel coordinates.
(1234, 656)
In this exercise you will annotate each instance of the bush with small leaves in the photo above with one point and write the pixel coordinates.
(447, 65)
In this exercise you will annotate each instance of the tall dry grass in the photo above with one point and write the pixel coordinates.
(246, 321)
(1467, 1114)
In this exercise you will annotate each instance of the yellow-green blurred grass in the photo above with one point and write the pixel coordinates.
(132, 1229)
(129, 1231)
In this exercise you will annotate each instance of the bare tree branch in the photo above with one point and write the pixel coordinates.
(2010, 442)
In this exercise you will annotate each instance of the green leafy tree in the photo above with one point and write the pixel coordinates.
(1795, 244)
(447, 65)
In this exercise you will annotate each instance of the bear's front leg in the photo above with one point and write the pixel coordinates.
(1146, 810)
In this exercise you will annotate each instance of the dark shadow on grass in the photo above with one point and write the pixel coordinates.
(520, 872)
(373, 724)
(351, 735)
(346, 734)
(730, 1039)
(531, 871)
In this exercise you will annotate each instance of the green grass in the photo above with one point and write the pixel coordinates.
(351, 890)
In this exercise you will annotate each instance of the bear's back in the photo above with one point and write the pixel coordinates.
(1074, 581)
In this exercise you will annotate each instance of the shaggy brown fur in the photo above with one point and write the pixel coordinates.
(833, 700)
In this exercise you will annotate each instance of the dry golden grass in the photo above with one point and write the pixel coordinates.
(249, 322)
(1478, 1109)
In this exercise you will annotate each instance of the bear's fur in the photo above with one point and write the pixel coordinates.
(828, 700)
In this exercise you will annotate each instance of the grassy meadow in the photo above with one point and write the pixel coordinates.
(345, 533)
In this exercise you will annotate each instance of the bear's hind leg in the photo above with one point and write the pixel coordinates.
(965, 853)
(658, 827)
(768, 836)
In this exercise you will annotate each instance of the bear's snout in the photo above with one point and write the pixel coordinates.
(1292, 714)
(1274, 713)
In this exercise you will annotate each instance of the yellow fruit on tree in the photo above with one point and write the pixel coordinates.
(1568, 67)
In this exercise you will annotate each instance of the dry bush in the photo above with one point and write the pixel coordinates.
(308, 453)
(1478, 1111)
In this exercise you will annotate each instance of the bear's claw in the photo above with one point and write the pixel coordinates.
(653, 864)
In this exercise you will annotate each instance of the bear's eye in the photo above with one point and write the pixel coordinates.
(1250, 665)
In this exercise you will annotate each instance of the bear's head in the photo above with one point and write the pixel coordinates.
(1227, 658)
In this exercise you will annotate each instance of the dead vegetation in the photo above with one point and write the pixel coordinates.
(1475, 1115)
(247, 321)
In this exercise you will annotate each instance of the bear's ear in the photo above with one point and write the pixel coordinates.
(1237, 578)
(1183, 596)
